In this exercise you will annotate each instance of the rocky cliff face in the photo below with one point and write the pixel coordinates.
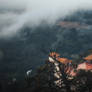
(45, 80)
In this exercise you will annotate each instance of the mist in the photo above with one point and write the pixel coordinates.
(17, 14)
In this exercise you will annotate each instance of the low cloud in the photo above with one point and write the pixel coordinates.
(14, 15)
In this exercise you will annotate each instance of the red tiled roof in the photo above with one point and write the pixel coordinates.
(88, 58)
(85, 66)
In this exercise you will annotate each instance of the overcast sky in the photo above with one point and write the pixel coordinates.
(15, 14)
